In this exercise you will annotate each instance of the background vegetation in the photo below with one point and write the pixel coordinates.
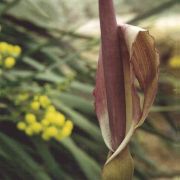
(58, 59)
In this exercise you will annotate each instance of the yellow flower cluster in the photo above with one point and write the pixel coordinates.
(45, 120)
(175, 62)
(8, 54)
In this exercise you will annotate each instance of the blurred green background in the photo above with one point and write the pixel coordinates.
(60, 41)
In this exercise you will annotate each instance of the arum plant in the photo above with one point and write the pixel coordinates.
(127, 56)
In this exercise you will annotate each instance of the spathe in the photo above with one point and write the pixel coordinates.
(127, 53)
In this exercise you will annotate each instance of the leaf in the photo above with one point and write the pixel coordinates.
(19, 155)
(71, 100)
(50, 77)
(34, 63)
(38, 8)
(89, 144)
(21, 73)
(47, 157)
(88, 165)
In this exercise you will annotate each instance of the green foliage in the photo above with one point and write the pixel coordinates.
(50, 64)
(53, 62)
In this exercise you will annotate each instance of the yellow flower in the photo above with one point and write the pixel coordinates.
(3, 47)
(51, 131)
(44, 101)
(51, 109)
(45, 122)
(36, 127)
(59, 136)
(175, 62)
(69, 124)
(59, 120)
(21, 125)
(66, 131)
(50, 116)
(30, 118)
(35, 105)
(9, 62)
(16, 51)
(6, 48)
(29, 131)
(45, 137)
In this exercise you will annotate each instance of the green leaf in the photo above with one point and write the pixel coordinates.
(33, 63)
(52, 166)
(89, 144)
(18, 155)
(50, 76)
(38, 8)
(88, 165)
(71, 100)
(82, 87)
